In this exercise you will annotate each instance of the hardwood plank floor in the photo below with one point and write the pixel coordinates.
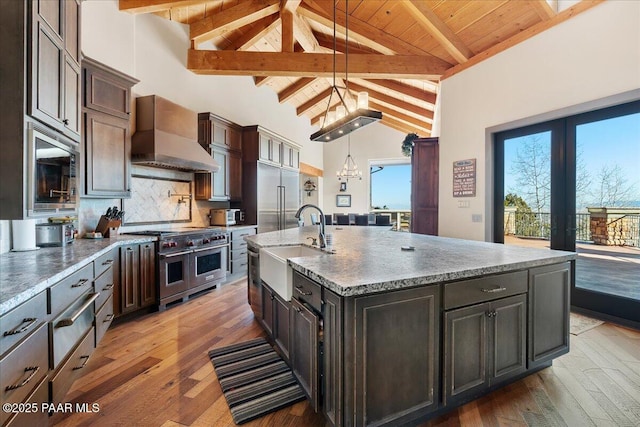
(154, 371)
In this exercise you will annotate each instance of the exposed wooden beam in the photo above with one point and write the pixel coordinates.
(382, 97)
(151, 6)
(317, 64)
(428, 20)
(405, 89)
(287, 40)
(255, 33)
(304, 34)
(290, 91)
(404, 127)
(290, 5)
(261, 80)
(310, 170)
(362, 32)
(386, 111)
(326, 42)
(244, 13)
(524, 35)
(322, 96)
(544, 9)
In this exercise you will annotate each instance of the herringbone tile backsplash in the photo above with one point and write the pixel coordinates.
(150, 202)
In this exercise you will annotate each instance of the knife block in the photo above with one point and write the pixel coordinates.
(108, 227)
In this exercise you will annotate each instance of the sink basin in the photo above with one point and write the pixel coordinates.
(275, 271)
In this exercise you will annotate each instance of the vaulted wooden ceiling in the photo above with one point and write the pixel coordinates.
(398, 50)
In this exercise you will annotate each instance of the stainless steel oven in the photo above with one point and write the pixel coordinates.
(173, 269)
(208, 264)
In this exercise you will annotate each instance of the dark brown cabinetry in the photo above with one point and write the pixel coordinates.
(223, 140)
(55, 65)
(548, 323)
(305, 326)
(274, 318)
(424, 186)
(107, 135)
(137, 277)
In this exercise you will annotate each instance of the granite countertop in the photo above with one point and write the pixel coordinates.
(370, 259)
(25, 274)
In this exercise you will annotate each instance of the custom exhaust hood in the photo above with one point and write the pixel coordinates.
(167, 136)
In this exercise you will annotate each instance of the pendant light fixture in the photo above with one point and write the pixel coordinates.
(350, 114)
(350, 167)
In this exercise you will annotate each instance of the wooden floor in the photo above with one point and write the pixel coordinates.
(154, 371)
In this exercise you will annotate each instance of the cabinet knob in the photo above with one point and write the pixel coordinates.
(66, 122)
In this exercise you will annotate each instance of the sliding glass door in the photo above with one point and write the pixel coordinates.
(574, 184)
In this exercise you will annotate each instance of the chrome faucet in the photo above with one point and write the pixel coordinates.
(321, 238)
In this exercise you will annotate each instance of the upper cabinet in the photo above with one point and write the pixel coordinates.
(55, 65)
(268, 147)
(223, 140)
(107, 135)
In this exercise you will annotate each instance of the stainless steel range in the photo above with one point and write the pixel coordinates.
(190, 260)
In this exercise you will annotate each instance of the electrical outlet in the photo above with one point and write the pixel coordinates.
(476, 218)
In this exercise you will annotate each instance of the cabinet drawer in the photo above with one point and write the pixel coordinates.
(238, 266)
(474, 291)
(104, 317)
(241, 234)
(307, 291)
(106, 93)
(104, 262)
(239, 255)
(23, 368)
(70, 326)
(72, 368)
(104, 286)
(69, 289)
(238, 244)
(35, 417)
(22, 321)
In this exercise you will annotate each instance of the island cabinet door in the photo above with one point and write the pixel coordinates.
(548, 313)
(267, 317)
(396, 336)
(305, 326)
(508, 340)
(332, 358)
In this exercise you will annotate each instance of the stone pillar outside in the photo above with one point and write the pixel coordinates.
(613, 226)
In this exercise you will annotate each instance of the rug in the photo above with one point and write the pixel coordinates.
(254, 379)
(579, 323)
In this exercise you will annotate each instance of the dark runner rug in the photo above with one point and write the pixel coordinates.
(254, 379)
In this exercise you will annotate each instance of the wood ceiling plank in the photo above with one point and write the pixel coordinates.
(151, 6)
(291, 90)
(322, 96)
(404, 127)
(439, 30)
(317, 64)
(387, 99)
(242, 14)
(405, 89)
(544, 9)
(257, 31)
(524, 35)
(326, 42)
(386, 111)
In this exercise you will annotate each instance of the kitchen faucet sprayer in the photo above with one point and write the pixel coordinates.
(321, 235)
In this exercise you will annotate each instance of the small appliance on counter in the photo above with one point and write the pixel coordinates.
(224, 217)
(54, 234)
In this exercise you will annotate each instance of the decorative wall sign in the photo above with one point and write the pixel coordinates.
(464, 178)
(343, 200)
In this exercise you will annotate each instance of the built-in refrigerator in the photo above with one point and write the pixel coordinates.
(278, 197)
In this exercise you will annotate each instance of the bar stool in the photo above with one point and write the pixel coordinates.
(342, 219)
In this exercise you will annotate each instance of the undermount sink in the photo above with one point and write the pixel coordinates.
(275, 271)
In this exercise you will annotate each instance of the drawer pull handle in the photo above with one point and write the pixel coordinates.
(298, 309)
(107, 287)
(69, 320)
(109, 318)
(243, 264)
(301, 292)
(493, 290)
(86, 360)
(108, 262)
(33, 369)
(81, 282)
(17, 330)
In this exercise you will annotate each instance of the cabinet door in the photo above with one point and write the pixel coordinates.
(267, 309)
(265, 147)
(235, 176)
(304, 350)
(221, 178)
(129, 278)
(147, 274)
(108, 154)
(47, 74)
(72, 29)
(281, 326)
(332, 358)
(548, 313)
(255, 291)
(465, 354)
(276, 151)
(508, 338)
(234, 139)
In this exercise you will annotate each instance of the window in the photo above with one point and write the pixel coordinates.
(390, 185)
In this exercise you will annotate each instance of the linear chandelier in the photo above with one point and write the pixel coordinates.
(349, 115)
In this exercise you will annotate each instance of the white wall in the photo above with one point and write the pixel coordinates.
(154, 50)
(375, 141)
(590, 61)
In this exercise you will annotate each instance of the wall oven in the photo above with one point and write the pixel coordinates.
(52, 169)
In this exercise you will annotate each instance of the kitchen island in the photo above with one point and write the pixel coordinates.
(381, 335)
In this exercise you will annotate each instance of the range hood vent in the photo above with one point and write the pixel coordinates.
(167, 137)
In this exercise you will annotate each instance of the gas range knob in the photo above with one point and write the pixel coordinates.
(190, 243)
(173, 244)
(205, 240)
(166, 245)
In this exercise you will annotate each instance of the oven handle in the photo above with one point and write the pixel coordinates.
(171, 255)
(209, 248)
